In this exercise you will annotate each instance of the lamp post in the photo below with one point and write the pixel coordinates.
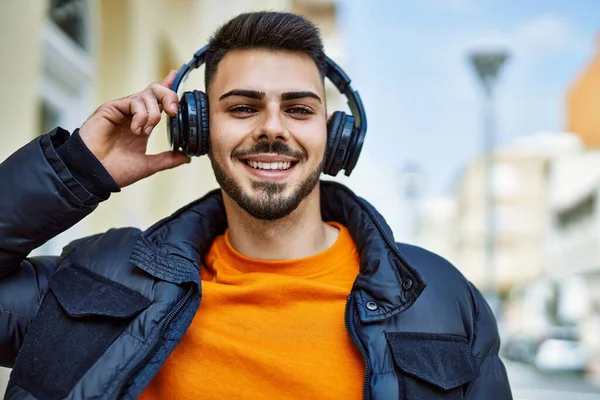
(411, 187)
(487, 65)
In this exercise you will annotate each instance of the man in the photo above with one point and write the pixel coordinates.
(276, 286)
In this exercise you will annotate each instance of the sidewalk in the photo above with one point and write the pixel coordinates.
(3, 380)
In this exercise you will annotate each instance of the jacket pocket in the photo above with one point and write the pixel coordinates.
(80, 316)
(432, 366)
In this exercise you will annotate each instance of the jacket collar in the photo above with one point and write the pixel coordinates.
(173, 248)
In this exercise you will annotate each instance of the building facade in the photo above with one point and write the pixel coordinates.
(572, 254)
(520, 176)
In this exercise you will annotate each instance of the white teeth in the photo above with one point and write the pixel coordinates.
(270, 166)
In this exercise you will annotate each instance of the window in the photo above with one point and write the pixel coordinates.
(506, 180)
(578, 214)
(70, 17)
(65, 88)
(64, 94)
(49, 116)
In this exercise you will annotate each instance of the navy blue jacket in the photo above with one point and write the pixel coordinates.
(100, 320)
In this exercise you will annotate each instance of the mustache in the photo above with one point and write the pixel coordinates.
(264, 147)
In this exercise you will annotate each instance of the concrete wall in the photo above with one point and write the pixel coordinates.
(21, 58)
(20, 48)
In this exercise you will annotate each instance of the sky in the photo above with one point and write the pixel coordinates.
(409, 62)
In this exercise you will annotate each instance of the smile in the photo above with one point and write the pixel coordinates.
(270, 166)
(278, 165)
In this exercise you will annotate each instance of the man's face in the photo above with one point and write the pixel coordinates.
(268, 130)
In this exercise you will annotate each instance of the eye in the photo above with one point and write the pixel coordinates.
(300, 110)
(242, 110)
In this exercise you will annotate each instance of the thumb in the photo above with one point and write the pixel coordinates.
(166, 160)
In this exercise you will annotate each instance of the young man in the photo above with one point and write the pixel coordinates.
(276, 286)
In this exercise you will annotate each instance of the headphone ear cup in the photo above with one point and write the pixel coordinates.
(177, 127)
(203, 130)
(173, 126)
(190, 123)
(339, 133)
(354, 149)
(333, 130)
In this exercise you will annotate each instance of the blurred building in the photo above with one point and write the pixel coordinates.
(574, 205)
(61, 59)
(519, 207)
(583, 103)
(575, 190)
(563, 294)
(572, 253)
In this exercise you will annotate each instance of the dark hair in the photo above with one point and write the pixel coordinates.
(277, 31)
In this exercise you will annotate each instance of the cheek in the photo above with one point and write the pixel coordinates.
(314, 142)
(310, 135)
(224, 137)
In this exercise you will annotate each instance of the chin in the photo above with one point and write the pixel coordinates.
(271, 189)
(267, 197)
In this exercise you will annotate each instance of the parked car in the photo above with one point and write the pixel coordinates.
(559, 349)
(565, 354)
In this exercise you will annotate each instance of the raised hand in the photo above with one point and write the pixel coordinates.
(118, 131)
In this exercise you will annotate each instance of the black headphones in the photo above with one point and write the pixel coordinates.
(188, 130)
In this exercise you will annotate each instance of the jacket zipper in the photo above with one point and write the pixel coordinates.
(350, 328)
(161, 335)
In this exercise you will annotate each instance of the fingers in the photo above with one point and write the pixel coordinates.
(153, 114)
(137, 108)
(146, 106)
(166, 160)
(165, 96)
(169, 79)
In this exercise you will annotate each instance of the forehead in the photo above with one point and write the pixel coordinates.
(266, 71)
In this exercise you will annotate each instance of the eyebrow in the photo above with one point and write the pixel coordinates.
(255, 94)
(299, 95)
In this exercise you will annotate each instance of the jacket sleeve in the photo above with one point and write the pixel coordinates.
(492, 382)
(39, 198)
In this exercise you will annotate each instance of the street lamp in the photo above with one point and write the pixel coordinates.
(412, 182)
(487, 65)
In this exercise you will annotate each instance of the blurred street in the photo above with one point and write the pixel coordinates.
(530, 384)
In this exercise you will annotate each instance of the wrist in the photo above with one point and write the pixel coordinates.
(87, 139)
(86, 167)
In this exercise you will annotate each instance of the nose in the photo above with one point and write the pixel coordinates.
(272, 125)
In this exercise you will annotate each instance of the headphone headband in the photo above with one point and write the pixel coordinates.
(335, 74)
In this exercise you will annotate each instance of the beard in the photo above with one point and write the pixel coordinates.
(268, 203)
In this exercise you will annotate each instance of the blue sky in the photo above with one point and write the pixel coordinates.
(409, 62)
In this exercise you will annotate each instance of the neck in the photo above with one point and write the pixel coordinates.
(301, 234)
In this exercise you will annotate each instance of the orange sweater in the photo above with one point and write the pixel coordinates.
(268, 330)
